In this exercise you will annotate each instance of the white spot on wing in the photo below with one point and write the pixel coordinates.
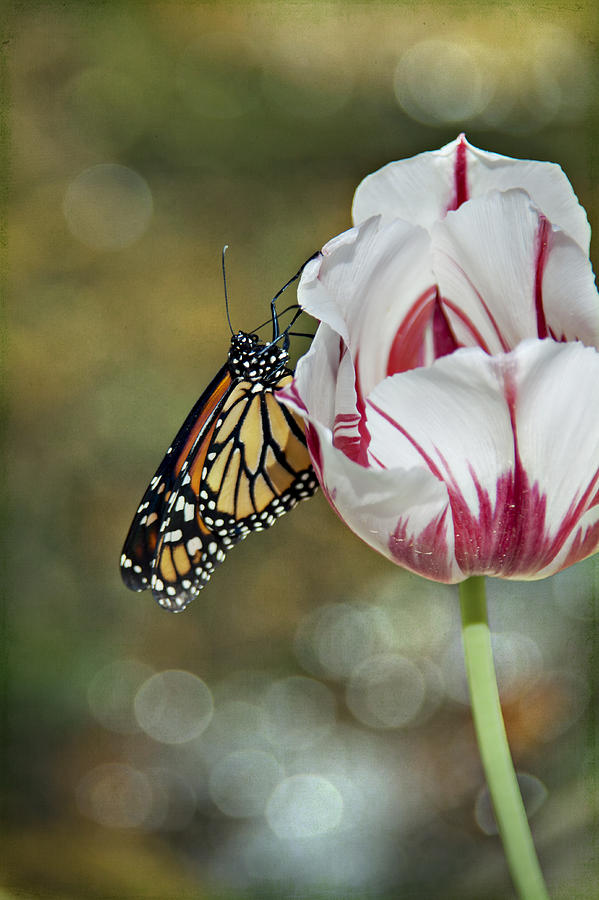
(193, 545)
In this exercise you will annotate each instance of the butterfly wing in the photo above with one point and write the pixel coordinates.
(140, 546)
(250, 466)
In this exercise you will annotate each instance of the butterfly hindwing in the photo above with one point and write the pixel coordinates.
(142, 540)
(187, 552)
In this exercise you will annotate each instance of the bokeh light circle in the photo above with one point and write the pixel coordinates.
(173, 706)
(107, 207)
(332, 640)
(386, 691)
(115, 795)
(534, 793)
(518, 663)
(439, 82)
(304, 806)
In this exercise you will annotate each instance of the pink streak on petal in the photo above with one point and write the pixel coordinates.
(577, 509)
(508, 536)
(460, 175)
(315, 451)
(427, 459)
(582, 546)
(407, 351)
(461, 315)
(346, 436)
(291, 392)
(468, 322)
(444, 342)
(354, 446)
(362, 457)
(532, 504)
(372, 457)
(426, 553)
(543, 240)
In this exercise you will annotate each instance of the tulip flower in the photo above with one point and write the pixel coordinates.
(451, 395)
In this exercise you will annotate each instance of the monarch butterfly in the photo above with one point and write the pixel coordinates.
(238, 462)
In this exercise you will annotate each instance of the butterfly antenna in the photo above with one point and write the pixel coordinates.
(225, 286)
(273, 302)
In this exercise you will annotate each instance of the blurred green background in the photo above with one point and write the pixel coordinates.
(303, 729)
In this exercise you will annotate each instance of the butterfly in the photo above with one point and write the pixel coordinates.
(238, 462)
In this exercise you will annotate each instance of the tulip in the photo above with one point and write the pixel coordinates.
(451, 393)
(451, 396)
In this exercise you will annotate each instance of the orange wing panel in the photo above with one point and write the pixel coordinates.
(213, 400)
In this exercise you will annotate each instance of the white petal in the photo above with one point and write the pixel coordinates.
(450, 419)
(484, 260)
(557, 426)
(515, 438)
(324, 386)
(369, 283)
(570, 297)
(507, 275)
(420, 189)
(324, 304)
(583, 541)
(314, 384)
(424, 188)
(349, 434)
(373, 503)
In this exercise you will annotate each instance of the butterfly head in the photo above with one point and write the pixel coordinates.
(253, 360)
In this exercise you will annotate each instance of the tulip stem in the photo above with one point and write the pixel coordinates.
(493, 746)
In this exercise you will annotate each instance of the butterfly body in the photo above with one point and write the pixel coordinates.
(238, 462)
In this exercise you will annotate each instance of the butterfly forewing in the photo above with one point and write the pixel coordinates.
(251, 476)
(238, 463)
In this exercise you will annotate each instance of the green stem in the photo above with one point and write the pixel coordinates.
(493, 746)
